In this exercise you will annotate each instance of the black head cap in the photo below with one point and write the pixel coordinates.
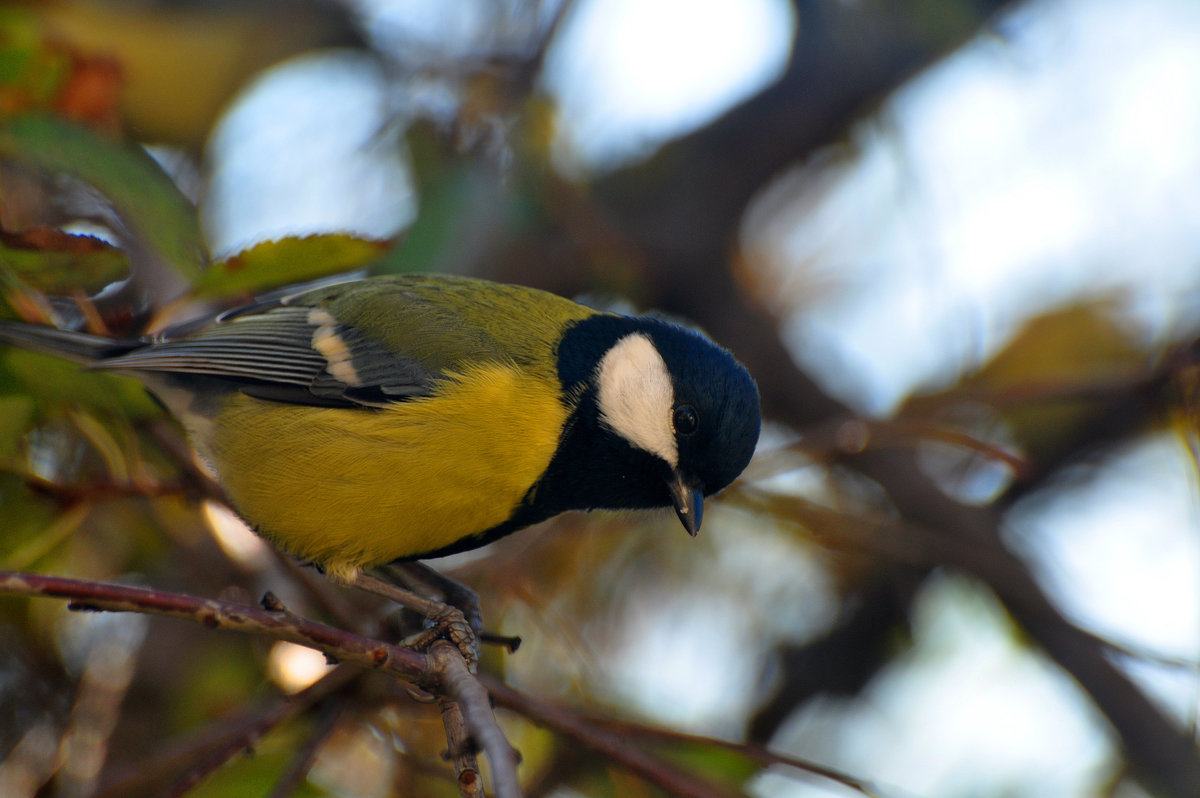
(664, 417)
(716, 438)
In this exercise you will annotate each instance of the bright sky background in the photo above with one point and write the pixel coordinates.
(1058, 159)
(306, 150)
(629, 73)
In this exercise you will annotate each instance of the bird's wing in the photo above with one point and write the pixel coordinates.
(337, 347)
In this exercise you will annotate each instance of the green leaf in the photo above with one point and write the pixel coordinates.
(713, 762)
(259, 773)
(16, 413)
(435, 230)
(32, 67)
(56, 383)
(289, 260)
(66, 265)
(446, 185)
(25, 517)
(140, 192)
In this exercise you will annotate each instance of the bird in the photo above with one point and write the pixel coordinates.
(403, 417)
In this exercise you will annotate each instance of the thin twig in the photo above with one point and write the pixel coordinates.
(303, 760)
(462, 750)
(448, 621)
(636, 760)
(229, 736)
(754, 752)
(339, 645)
(472, 697)
(72, 493)
(444, 671)
(258, 727)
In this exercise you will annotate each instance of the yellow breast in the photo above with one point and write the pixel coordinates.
(348, 488)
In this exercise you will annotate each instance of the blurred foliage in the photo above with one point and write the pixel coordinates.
(51, 262)
(39, 72)
(211, 48)
(95, 482)
(1043, 381)
(142, 195)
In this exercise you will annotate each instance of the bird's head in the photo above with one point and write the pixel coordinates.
(668, 417)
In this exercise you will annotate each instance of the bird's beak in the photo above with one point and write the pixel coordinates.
(688, 502)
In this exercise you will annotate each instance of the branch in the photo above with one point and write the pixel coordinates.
(460, 751)
(612, 737)
(247, 733)
(441, 672)
(303, 760)
(937, 531)
(339, 645)
(472, 697)
(752, 751)
(569, 724)
(238, 732)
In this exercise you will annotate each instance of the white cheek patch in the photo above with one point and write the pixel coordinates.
(635, 396)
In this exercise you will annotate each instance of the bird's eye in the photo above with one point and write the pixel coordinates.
(685, 420)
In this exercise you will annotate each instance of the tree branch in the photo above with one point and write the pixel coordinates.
(302, 762)
(234, 734)
(472, 697)
(938, 531)
(461, 751)
(653, 769)
(247, 734)
(611, 738)
(443, 671)
(752, 751)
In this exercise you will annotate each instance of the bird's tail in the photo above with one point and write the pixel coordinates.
(76, 346)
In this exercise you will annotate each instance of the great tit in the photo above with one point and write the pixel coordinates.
(405, 417)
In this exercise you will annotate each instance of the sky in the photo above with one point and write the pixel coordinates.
(1052, 159)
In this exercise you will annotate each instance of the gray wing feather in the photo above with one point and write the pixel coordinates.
(270, 353)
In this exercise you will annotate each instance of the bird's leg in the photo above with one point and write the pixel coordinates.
(459, 626)
(427, 581)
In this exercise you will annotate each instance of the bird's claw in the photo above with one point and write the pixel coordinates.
(449, 623)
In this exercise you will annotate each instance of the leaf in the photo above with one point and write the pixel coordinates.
(16, 413)
(43, 541)
(25, 517)
(183, 63)
(706, 761)
(288, 260)
(54, 383)
(1039, 383)
(59, 263)
(32, 70)
(39, 70)
(145, 198)
(1076, 342)
(446, 186)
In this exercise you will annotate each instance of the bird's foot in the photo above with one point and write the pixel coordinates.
(448, 623)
